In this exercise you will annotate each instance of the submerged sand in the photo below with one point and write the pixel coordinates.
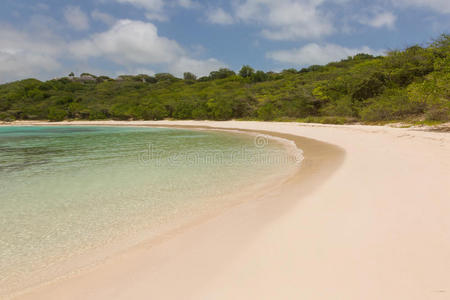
(366, 217)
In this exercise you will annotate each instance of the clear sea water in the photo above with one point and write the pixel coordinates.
(65, 191)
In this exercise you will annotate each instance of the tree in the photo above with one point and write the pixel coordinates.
(87, 75)
(267, 112)
(246, 71)
(200, 113)
(259, 76)
(204, 79)
(165, 77)
(221, 74)
(289, 71)
(220, 109)
(56, 114)
(188, 76)
(362, 56)
(154, 111)
(313, 68)
(144, 78)
(370, 87)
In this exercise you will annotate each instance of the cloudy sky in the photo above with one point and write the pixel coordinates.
(51, 38)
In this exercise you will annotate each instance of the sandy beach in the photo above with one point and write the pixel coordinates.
(366, 217)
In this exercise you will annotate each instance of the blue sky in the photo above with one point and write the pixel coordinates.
(52, 38)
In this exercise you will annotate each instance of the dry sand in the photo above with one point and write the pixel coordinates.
(367, 217)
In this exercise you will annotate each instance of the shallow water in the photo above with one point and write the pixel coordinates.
(67, 190)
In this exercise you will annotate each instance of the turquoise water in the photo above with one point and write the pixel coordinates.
(67, 190)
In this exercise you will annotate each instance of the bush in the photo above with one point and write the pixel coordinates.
(189, 76)
(246, 71)
(267, 112)
(220, 109)
(334, 120)
(121, 112)
(370, 88)
(343, 107)
(155, 112)
(56, 114)
(200, 113)
(6, 117)
(220, 74)
(394, 105)
(441, 114)
(259, 76)
(97, 115)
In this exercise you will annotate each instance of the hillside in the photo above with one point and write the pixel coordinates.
(408, 85)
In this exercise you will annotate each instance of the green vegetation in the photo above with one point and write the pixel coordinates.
(409, 85)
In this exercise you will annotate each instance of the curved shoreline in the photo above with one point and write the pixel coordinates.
(315, 155)
(83, 262)
(241, 197)
(371, 226)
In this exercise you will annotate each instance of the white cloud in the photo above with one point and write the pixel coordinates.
(157, 16)
(383, 19)
(151, 5)
(188, 3)
(24, 55)
(137, 44)
(76, 18)
(315, 54)
(129, 45)
(286, 19)
(156, 9)
(139, 71)
(103, 17)
(440, 6)
(219, 16)
(197, 50)
(198, 67)
(129, 42)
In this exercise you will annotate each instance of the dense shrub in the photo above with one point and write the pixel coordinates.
(394, 105)
(56, 114)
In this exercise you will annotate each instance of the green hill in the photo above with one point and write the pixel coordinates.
(409, 85)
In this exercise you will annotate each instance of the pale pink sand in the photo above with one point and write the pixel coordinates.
(376, 226)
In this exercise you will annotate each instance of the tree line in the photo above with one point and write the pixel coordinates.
(412, 84)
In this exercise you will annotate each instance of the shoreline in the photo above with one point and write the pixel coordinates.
(83, 262)
(302, 173)
(358, 227)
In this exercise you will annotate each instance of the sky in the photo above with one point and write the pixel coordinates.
(51, 38)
